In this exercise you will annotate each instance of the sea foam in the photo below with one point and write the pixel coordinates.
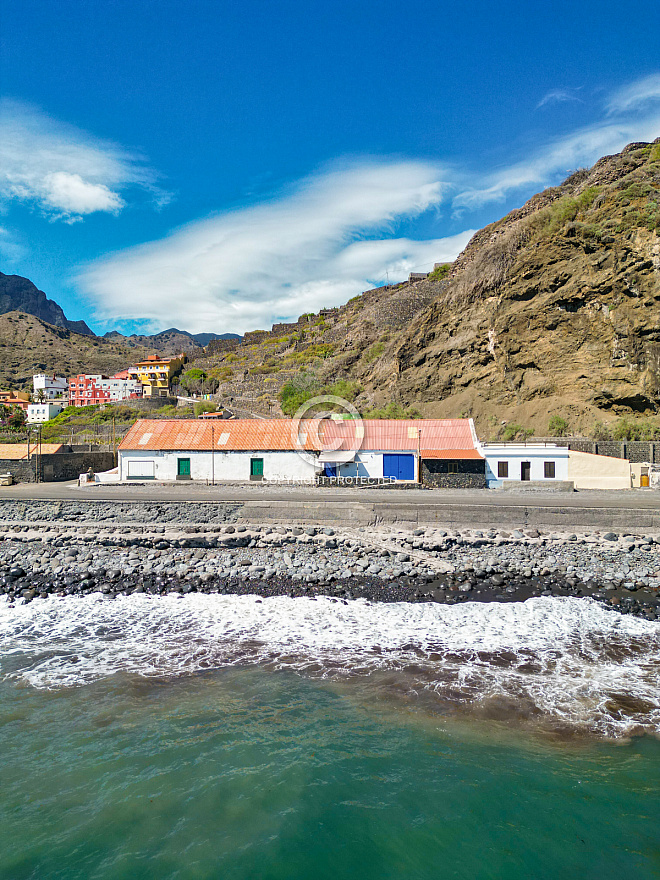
(568, 661)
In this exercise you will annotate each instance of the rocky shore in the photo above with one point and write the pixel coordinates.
(383, 564)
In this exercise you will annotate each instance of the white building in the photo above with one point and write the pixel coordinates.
(273, 451)
(524, 462)
(43, 412)
(200, 449)
(51, 386)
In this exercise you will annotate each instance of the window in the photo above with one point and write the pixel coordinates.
(502, 469)
(549, 470)
(452, 467)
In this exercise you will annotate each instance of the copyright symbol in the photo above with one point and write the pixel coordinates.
(336, 433)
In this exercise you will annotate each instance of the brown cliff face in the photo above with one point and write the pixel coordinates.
(555, 309)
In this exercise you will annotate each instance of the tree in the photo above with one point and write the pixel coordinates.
(17, 418)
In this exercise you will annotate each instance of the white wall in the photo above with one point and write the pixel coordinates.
(42, 412)
(226, 466)
(516, 455)
(590, 471)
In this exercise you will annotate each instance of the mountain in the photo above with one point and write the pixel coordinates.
(20, 294)
(171, 341)
(29, 345)
(552, 310)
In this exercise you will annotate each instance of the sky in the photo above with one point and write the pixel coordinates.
(218, 166)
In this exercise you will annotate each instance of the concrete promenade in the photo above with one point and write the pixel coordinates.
(633, 511)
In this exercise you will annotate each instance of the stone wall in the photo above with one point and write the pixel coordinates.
(21, 471)
(471, 474)
(69, 465)
(633, 450)
(57, 467)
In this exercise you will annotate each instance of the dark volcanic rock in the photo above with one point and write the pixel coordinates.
(18, 294)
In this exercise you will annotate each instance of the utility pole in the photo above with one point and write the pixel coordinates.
(212, 454)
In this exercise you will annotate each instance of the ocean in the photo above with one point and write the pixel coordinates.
(234, 737)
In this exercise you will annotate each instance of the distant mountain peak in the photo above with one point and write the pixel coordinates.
(18, 294)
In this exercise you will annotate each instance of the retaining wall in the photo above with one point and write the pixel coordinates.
(57, 467)
(357, 513)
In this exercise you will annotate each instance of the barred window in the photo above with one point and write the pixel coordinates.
(502, 468)
(549, 470)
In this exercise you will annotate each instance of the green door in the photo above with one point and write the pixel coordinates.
(256, 468)
(183, 468)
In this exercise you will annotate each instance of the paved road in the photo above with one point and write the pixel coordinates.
(633, 500)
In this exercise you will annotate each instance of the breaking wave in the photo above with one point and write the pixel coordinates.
(563, 662)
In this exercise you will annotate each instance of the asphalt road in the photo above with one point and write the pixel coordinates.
(633, 499)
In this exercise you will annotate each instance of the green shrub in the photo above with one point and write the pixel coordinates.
(440, 272)
(374, 352)
(601, 432)
(514, 431)
(204, 406)
(557, 426)
(393, 410)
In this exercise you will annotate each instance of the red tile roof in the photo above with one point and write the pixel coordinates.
(440, 438)
(196, 434)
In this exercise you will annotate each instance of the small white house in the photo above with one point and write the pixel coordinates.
(43, 412)
(524, 462)
(51, 386)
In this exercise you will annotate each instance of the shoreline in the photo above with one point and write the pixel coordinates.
(380, 564)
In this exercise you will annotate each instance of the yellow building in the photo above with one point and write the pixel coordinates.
(155, 373)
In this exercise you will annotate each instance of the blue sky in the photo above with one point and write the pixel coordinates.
(217, 166)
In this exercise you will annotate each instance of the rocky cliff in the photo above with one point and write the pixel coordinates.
(555, 309)
(18, 294)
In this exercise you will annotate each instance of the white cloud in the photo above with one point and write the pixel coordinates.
(642, 91)
(65, 172)
(11, 250)
(302, 251)
(558, 96)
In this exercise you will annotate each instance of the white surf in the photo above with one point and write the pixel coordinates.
(569, 661)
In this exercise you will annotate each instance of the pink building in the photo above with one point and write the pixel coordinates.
(88, 390)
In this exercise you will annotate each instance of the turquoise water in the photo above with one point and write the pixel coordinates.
(235, 738)
(255, 773)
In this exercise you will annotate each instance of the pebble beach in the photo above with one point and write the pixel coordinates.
(383, 564)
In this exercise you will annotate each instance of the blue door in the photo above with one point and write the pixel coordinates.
(401, 467)
(331, 470)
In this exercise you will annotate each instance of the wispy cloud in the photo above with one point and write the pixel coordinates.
(635, 94)
(304, 250)
(559, 96)
(623, 121)
(63, 171)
